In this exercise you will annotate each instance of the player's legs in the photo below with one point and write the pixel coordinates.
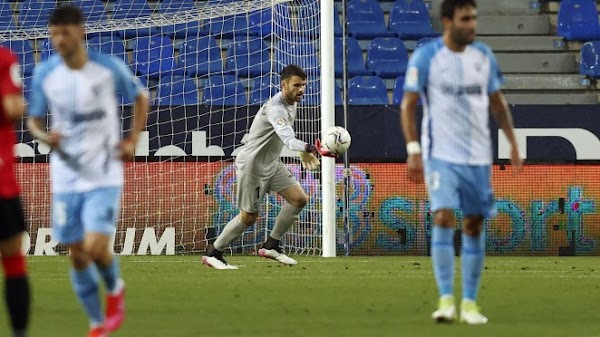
(250, 190)
(284, 183)
(16, 284)
(99, 215)
(442, 186)
(67, 227)
(477, 203)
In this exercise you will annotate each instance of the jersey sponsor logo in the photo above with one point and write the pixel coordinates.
(280, 122)
(412, 77)
(94, 115)
(462, 90)
(15, 74)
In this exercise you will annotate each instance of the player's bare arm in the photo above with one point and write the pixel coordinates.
(409, 129)
(14, 107)
(501, 113)
(37, 128)
(140, 115)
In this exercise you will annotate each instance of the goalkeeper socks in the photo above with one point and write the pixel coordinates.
(233, 230)
(286, 218)
(85, 283)
(442, 255)
(473, 253)
(110, 273)
(16, 292)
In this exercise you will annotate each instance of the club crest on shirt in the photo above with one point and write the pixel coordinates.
(412, 77)
(280, 122)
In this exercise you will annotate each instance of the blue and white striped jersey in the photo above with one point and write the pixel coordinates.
(454, 89)
(84, 109)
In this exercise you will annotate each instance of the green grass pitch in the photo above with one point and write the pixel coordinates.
(377, 296)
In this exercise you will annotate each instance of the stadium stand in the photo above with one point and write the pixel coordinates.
(578, 20)
(387, 57)
(527, 36)
(224, 90)
(367, 90)
(366, 20)
(177, 91)
(410, 20)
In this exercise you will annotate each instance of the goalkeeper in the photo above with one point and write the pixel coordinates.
(260, 171)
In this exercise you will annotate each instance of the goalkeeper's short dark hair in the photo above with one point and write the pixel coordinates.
(66, 15)
(449, 6)
(292, 70)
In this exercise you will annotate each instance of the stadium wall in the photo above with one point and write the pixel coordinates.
(547, 210)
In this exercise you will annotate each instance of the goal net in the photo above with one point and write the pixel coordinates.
(209, 65)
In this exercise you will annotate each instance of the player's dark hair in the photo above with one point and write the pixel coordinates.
(66, 15)
(449, 6)
(292, 70)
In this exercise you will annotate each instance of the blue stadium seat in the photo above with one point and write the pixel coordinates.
(422, 41)
(177, 90)
(200, 56)
(47, 49)
(300, 51)
(410, 20)
(387, 57)
(310, 26)
(398, 90)
(24, 53)
(128, 9)
(153, 56)
(248, 58)
(27, 88)
(367, 90)
(263, 88)
(365, 20)
(227, 27)
(111, 45)
(261, 22)
(35, 13)
(578, 20)
(356, 63)
(182, 30)
(174, 6)
(7, 22)
(93, 10)
(224, 90)
(590, 59)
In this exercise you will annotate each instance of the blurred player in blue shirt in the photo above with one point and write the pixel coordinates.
(80, 90)
(458, 81)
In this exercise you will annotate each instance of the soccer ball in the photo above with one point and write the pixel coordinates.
(336, 140)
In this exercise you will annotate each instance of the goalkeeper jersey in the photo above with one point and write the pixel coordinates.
(84, 109)
(455, 88)
(271, 129)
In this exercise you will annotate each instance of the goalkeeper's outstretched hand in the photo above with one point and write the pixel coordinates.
(323, 152)
(309, 161)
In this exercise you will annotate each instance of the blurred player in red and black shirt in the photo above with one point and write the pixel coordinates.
(12, 218)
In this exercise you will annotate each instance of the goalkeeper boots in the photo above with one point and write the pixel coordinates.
(115, 307)
(214, 258)
(469, 313)
(446, 311)
(271, 250)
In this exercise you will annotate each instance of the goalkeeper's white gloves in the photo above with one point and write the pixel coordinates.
(309, 161)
